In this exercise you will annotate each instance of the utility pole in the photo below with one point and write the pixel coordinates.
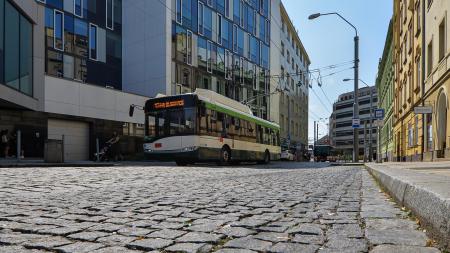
(356, 102)
(365, 142)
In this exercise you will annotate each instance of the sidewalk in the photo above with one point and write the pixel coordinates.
(422, 187)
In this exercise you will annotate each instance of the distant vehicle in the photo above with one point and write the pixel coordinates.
(207, 127)
(323, 153)
(287, 155)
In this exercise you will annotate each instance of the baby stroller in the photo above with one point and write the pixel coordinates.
(103, 154)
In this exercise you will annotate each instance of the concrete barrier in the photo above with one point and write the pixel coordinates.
(421, 194)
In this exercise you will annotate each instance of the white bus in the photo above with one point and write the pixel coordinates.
(207, 127)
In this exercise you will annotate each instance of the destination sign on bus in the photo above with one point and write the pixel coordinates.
(169, 104)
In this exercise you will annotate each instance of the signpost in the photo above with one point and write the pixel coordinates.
(423, 110)
(356, 123)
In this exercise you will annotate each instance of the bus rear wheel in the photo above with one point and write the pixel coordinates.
(225, 156)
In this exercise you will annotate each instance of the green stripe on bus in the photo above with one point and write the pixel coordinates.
(239, 115)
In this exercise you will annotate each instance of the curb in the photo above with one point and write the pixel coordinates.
(432, 210)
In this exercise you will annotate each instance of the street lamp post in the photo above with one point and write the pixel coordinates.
(371, 118)
(356, 78)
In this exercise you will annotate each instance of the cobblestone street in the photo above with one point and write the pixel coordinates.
(200, 209)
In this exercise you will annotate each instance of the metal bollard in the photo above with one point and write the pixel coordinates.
(19, 145)
(98, 149)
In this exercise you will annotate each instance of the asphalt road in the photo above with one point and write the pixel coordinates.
(282, 207)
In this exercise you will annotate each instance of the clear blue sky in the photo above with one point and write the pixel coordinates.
(329, 40)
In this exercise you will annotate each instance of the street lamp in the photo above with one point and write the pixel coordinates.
(356, 78)
(371, 116)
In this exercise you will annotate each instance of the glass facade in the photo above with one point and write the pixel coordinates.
(84, 41)
(16, 49)
(230, 40)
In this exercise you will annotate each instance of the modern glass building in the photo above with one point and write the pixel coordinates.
(223, 45)
(84, 41)
(220, 45)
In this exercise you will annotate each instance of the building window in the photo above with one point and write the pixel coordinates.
(430, 58)
(58, 39)
(219, 29)
(235, 38)
(200, 17)
(209, 56)
(16, 58)
(282, 48)
(442, 40)
(110, 14)
(78, 8)
(189, 48)
(418, 72)
(179, 10)
(92, 42)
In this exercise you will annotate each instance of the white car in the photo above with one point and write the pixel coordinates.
(287, 155)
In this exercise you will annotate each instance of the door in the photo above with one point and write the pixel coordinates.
(76, 138)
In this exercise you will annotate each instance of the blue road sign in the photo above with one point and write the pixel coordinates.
(379, 113)
(356, 123)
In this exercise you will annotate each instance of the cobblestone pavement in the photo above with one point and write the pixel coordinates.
(201, 209)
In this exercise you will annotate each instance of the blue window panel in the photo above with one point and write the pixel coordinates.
(59, 30)
(250, 19)
(69, 23)
(85, 8)
(226, 33)
(78, 8)
(59, 4)
(201, 48)
(207, 22)
(254, 50)
(221, 6)
(265, 56)
(187, 13)
(262, 27)
(240, 41)
(201, 22)
(266, 7)
(80, 27)
(178, 10)
(236, 11)
(93, 42)
(49, 18)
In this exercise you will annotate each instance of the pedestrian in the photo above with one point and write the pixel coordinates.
(5, 143)
(115, 146)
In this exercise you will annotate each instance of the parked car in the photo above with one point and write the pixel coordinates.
(287, 155)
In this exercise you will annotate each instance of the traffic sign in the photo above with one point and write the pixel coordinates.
(356, 123)
(379, 113)
(379, 123)
(423, 110)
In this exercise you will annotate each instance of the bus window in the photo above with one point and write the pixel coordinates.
(203, 121)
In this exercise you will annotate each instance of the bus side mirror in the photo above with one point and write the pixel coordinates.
(131, 112)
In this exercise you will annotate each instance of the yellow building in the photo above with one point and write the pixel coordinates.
(437, 81)
(407, 38)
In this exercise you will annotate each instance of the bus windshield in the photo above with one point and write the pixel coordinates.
(170, 122)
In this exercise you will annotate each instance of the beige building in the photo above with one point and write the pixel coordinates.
(407, 61)
(437, 82)
(289, 66)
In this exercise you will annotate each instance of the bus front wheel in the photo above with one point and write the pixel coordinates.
(225, 156)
